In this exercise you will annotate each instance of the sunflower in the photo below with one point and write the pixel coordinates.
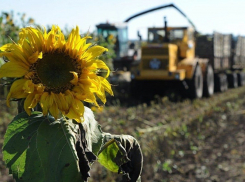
(55, 72)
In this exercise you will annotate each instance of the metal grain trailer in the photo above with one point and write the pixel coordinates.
(226, 56)
(238, 61)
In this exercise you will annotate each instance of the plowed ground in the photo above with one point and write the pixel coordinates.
(199, 140)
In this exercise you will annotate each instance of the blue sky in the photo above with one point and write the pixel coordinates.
(225, 16)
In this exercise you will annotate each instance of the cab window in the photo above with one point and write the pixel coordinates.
(156, 36)
(176, 35)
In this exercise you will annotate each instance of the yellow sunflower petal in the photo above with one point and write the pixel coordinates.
(18, 52)
(14, 59)
(101, 65)
(52, 36)
(79, 93)
(83, 49)
(27, 47)
(70, 42)
(61, 43)
(16, 90)
(98, 64)
(101, 95)
(35, 100)
(93, 52)
(34, 57)
(46, 101)
(43, 103)
(28, 102)
(69, 97)
(40, 88)
(54, 111)
(76, 111)
(61, 102)
(89, 85)
(83, 93)
(10, 69)
(81, 44)
(74, 81)
(35, 37)
(29, 87)
(6, 47)
(106, 85)
(75, 39)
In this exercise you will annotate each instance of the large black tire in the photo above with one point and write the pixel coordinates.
(232, 80)
(208, 84)
(220, 82)
(241, 79)
(135, 88)
(225, 82)
(196, 83)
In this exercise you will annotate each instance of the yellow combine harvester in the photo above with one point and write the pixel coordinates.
(179, 55)
(170, 55)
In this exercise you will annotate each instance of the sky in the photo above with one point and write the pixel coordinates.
(224, 16)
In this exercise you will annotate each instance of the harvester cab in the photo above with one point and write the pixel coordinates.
(165, 49)
(125, 53)
(119, 33)
(180, 38)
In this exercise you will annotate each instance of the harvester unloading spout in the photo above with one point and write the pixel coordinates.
(158, 8)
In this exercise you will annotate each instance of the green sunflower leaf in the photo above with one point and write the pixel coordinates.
(38, 148)
(109, 156)
(122, 154)
(94, 134)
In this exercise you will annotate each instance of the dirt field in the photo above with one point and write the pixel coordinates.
(200, 140)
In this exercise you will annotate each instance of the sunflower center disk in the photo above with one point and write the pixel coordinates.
(53, 71)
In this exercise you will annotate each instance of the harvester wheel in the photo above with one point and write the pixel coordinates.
(232, 80)
(196, 84)
(208, 84)
(134, 88)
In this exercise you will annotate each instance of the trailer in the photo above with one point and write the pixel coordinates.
(226, 56)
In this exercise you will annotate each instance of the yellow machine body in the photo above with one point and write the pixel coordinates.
(172, 59)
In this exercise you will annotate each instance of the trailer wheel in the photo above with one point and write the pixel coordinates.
(208, 84)
(221, 83)
(241, 78)
(225, 82)
(196, 84)
(232, 80)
